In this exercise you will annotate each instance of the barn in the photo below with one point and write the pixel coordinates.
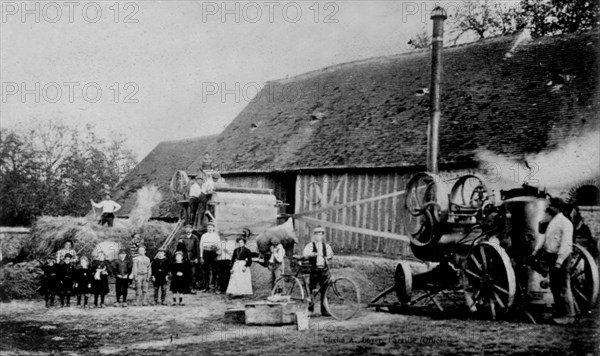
(339, 144)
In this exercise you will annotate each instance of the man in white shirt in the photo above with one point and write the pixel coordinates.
(195, 191)
(210, 249)
(223, 264)
(555, 250)
(206, 191)
(109, 208)
(319, 253)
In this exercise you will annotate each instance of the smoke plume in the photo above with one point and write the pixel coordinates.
(575, 161)
(147, 198)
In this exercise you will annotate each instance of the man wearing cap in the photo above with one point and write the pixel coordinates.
(122, 269)
(554, 250)
(319, 253)
(192, 249)
(195, 191)
(109, 208)
(210, 249)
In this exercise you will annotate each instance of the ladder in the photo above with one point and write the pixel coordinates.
(172, 234)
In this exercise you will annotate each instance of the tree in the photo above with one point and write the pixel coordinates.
(486, 18)
(55, 169)
(549, 17)
(421, 40)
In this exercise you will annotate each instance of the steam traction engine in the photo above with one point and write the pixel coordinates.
(480, 246)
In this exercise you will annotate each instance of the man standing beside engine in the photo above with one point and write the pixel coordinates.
(555, 250)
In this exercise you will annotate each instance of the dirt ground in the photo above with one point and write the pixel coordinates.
(28, 328)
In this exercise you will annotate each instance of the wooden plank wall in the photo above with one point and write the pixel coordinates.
(262, 181)
(317, 191)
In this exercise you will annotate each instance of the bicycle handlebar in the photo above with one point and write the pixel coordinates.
(300, 258)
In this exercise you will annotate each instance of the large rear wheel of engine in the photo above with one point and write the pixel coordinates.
(488, 280)
(584, 279)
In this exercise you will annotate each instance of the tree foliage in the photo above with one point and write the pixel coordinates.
(55, 169)
(549, 17)
(486, 18)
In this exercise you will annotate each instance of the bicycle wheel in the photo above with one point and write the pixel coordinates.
(289, 286)
(342, 298)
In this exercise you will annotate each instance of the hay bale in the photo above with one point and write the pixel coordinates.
(21, 280)
(50, 233)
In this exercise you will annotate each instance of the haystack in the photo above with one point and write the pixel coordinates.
(49, 234)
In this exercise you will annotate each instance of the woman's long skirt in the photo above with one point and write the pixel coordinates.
(240, 282)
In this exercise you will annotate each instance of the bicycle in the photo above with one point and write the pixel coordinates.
(341, 296)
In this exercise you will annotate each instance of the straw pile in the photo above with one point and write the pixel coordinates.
(50, 233)
(21, 280)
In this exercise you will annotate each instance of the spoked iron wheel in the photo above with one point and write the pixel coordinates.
(289, 286)
(342, 298)
(488, 280)
(584, 279)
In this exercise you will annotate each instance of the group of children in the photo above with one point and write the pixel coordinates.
(64, 279)
(67, 275)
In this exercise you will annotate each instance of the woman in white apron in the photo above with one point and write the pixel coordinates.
(241, 278)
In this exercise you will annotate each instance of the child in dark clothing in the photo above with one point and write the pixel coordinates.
(101, 269)
(50, 282)
(179, 278)
(160, 272)
(83, 278)
(65, 272)
(122, 270)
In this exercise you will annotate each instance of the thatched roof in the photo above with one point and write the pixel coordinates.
(157, 168)
(373, 113)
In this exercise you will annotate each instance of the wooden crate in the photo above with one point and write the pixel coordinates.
(270, 313)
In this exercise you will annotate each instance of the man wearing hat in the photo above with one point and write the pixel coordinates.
(109, 208)
(195, 192)
(122, 268)
(554, 250)
(319, 253)
(192, 253)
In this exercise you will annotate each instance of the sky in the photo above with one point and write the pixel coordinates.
(168, 70)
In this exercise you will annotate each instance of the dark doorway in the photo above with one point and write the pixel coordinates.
(285, 190)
